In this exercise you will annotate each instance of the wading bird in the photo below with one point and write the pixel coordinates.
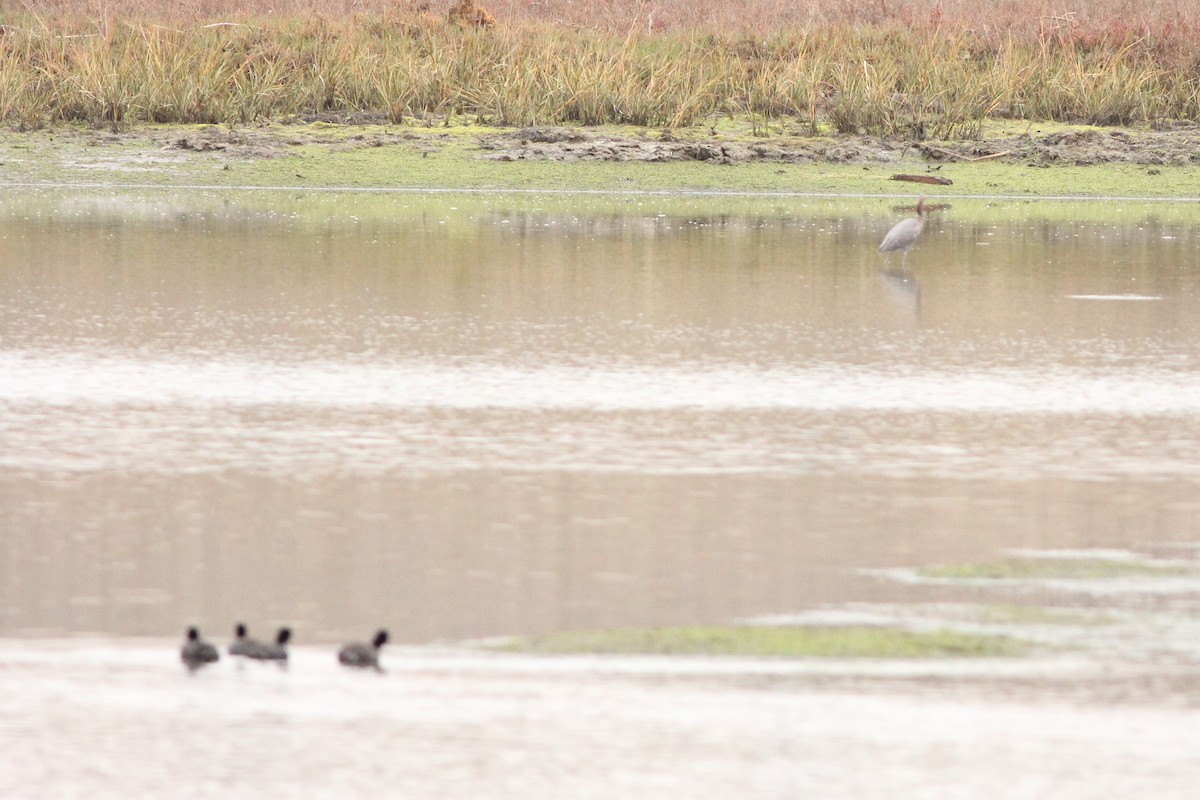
(196, 652)
(363, 656)
(904, 233)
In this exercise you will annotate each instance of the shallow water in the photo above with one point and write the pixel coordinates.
(463, 726)
(464, 417)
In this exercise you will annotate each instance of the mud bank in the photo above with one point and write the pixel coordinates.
(363, 152)
(1082, 147)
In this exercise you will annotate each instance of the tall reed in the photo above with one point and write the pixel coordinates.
(879, 77)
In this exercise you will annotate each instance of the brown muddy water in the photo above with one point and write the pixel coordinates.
(474, 416)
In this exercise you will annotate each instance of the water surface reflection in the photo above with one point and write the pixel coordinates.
(468, 416)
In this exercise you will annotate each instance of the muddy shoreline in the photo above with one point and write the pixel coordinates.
(1080, 147)
(1046, 160)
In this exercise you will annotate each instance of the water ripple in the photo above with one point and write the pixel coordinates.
(81, 413)
(79, 379)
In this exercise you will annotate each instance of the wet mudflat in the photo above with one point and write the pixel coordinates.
(494, 416)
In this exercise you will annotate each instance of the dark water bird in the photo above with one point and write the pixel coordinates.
(196, 652)
(249, 647)
(272, 652)
(904, 233)
(242, 644)
(364, 656)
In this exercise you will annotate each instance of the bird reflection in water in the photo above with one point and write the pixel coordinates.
(902, 288)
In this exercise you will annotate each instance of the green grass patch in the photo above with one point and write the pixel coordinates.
(319, 156)
(1052, 568)
(1012, 614)
(772, 641)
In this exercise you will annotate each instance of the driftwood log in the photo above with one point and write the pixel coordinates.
(924, 179)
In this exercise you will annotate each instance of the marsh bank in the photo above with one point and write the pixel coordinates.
(362, 152)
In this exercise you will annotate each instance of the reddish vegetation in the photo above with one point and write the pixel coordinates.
(1088, 23)
(1169, 29)
(465, 12)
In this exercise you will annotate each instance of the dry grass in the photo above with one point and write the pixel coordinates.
(890, 68)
